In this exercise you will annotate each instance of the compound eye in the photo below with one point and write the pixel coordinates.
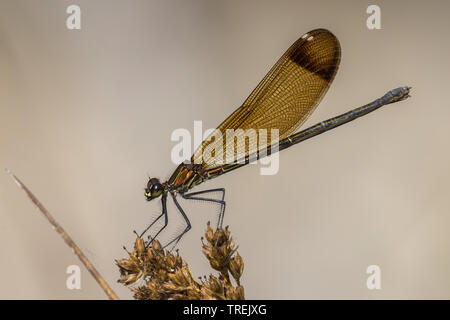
(156, 186)
(156, 189)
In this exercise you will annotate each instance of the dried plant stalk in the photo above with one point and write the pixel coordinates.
(167, 276)
(101, 281)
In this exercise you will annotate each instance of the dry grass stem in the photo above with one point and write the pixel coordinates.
(103, 284)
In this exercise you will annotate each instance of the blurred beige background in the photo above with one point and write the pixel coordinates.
(85, 115)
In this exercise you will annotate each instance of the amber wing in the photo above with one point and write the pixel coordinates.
(283, 100)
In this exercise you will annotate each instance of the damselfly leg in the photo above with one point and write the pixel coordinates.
(187, 196)
(186, 219)
(166, 220)
(193, 196)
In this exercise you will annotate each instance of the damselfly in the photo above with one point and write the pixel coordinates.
(283, 100)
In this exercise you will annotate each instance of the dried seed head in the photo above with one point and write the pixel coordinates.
(240, 291)
(209, 234)
(236, 267)
(166, 276)
(215, 285)
(130, 278)
(156, 246)
(170, 286)
(150, 254)
(139, 247)
(127, 265)
(170, 259)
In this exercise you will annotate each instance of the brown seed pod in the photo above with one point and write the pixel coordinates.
(167, 276)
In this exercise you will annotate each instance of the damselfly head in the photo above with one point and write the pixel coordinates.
(154, 189)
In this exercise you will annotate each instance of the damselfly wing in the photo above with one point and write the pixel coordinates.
(283, 100)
